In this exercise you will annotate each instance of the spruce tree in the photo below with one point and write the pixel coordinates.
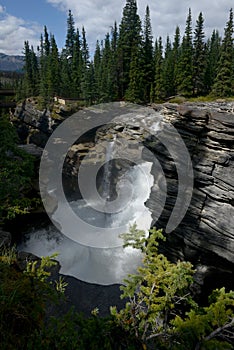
(185, 64)
(46, 42)
(54, 69)
(97, 70)
(176, 59)
(87, 80)
(106, 84)
(168, 70)
(76, 66)
(66, 79)
(71, 34)
(31, 77)
(223, 86)
(113, 64)
(213, 55)
(44, 66)
(129, 39)
(147, 57)
(199, 58)
(159, 92)
(135, 91)
(67, 88)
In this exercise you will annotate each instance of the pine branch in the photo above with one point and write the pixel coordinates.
(215, 333)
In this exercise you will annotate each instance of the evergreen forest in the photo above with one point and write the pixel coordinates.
(128, 65)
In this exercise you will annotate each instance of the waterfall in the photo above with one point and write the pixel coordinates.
(93, 264)
(106, 180)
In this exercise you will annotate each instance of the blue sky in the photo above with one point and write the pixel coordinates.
(22, 20)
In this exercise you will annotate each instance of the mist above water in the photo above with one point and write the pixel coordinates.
(89, 262)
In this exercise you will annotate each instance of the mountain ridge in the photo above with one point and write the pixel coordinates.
(11, 63)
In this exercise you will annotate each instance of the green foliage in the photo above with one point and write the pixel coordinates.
(155, 292)
(16, 171)
(23, 298)
(25, 323)
(185, 62)
(208, 327)
(159, 92)
(199, 58)
(127, 66)
(160, 310)
(129, 41)
(223, 86)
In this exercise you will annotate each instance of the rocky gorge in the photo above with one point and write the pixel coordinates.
(205, 236)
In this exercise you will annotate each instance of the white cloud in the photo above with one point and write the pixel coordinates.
(97, 16)
(14, 31)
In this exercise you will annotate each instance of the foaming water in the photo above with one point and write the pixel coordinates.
(91, 263)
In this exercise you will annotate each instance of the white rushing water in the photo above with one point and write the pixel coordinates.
(91, 264)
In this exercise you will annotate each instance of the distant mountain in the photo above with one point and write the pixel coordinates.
(11, 63)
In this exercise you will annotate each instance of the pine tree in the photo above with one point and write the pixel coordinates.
(223, 85)
(199, 58)
(159, 92)
(31, 78)
(113, 64)
(97, 70)
(147, 56)
(105, 80)
(88, 77)
(67, 86)
(185, 64)
(168, 70)
(129, 39)
(46, 42)
(76, 66)
(176, 59)
(85, 48)
(44, 66)
(135, 90)
(54, 69)
(213, 55)
(66, 79)
(71, 34)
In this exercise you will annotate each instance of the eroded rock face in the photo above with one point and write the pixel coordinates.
(207, 232)
(35, 124)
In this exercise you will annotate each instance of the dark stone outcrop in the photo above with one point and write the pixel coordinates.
(206, 234)
(35, 124)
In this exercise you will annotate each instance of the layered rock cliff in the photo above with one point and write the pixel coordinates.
(206, 234)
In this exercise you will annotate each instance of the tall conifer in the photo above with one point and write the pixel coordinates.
(223, 85)
(129, 39)
(147, 57)
(185, 64)
(199, 58)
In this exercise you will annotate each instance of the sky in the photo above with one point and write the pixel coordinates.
(22, 20)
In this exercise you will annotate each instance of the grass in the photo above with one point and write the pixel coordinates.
(207, 98)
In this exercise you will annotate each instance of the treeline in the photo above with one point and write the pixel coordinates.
(128, 65)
